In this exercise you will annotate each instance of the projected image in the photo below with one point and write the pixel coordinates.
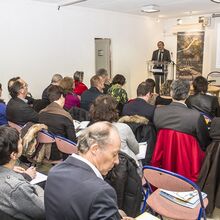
(189, 54)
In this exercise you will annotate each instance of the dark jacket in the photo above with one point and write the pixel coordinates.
(127, 184)
(74, 192)
(88, 97)
(166, 55)
(20, 112)
(140, 107)
(209, 179)
(177, 116)
(204, 103)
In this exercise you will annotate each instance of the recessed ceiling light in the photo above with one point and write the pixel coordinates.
(150, 8)
(216, 1)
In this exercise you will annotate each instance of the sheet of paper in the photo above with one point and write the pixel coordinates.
(142, 150)
(40, 177)
(147, 216)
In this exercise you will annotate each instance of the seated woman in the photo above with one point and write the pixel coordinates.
(19, 198)
(118, 92)
(104, 109)
(80, 87)
(201, 101)
(58, 120)
(71, 99)
(3, 119)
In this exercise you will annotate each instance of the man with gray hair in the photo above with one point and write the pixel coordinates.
(75, 188)
(54, 81)
(177, 116)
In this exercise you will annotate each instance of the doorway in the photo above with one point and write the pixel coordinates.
(103, 54)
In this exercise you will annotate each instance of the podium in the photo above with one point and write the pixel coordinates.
(161, 71)
(161, 68)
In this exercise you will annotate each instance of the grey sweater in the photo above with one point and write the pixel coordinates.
(19, 198)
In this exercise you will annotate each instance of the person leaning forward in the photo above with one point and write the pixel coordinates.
(75, 188)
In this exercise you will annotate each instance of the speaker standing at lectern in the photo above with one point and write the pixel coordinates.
(161, 57)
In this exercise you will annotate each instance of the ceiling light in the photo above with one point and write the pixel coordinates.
(216, 1)
(150, 8)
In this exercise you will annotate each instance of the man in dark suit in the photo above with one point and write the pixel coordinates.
(160, 56)
(75, 188)
(140, 105)
(89, 96)
(177, 116)
(17, 110)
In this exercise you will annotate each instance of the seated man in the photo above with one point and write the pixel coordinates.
(56, 79)
(83, 194)
(182, 135)
(96, 89)
(177, 116)
(140, 105)
(17, 110)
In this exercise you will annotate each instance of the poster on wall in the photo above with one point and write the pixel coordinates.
(190, 47)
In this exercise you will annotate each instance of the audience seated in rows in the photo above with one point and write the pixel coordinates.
(140, 105)
(79, 86)
(209, 179)
(104, 75)
(3, 119)
(71, 99)
(202, 101)
(118, 92)
(180, 128)
(19, 198)
(58, 120)
(54, 81)
(75, 188)
(96, 89)
(17, 110)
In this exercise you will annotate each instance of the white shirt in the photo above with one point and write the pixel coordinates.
(96, 171)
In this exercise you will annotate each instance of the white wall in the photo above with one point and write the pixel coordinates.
(37, 41)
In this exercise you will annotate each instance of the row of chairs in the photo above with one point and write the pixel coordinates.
(44, 137)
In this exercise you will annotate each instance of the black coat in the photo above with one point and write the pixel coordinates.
(204, 103)
(166, 55)
(127, 184)
(140, 107)
(88, 97)
(19, 112)
(209, 178)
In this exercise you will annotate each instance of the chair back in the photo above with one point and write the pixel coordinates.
(14, 125)
(79, 114)
(66, 146)
(167, 180)
(44, 137)
(178, 152)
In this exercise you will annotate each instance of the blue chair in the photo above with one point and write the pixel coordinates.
(163, 179)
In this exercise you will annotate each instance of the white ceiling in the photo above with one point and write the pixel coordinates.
(168, 8)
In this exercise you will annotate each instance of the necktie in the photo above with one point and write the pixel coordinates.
(160, 57)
